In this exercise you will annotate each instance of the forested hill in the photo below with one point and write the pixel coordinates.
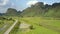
(39, 9)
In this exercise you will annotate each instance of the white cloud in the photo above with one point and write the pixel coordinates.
(12, 5)
(4, 2)
(45, 3)
(32, 2)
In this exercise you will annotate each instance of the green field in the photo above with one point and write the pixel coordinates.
(41, 25)
(4, 25)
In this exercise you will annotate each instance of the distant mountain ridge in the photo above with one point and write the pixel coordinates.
(39, 9)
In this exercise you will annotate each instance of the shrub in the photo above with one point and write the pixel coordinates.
(31, 27)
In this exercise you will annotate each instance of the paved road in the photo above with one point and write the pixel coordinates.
(9, 29)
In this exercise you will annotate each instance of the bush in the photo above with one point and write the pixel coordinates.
(9, 18)
(31, 27)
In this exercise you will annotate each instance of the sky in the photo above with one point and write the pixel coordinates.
(21, 4)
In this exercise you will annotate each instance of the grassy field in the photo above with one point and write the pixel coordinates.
(41, 25)
(4, 25)
(15, 29)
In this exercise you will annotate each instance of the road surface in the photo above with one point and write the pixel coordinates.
(9, 29)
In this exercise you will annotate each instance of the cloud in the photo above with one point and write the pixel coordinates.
(4, 2)
(45, 3)
(3, 10)
(32, 2)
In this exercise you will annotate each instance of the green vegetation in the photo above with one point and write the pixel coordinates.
(44, 19)
(15, 29)
(41, 25)
(4, 24)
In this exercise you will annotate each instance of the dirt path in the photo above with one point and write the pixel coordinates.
(9, 29)
(24, 25)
